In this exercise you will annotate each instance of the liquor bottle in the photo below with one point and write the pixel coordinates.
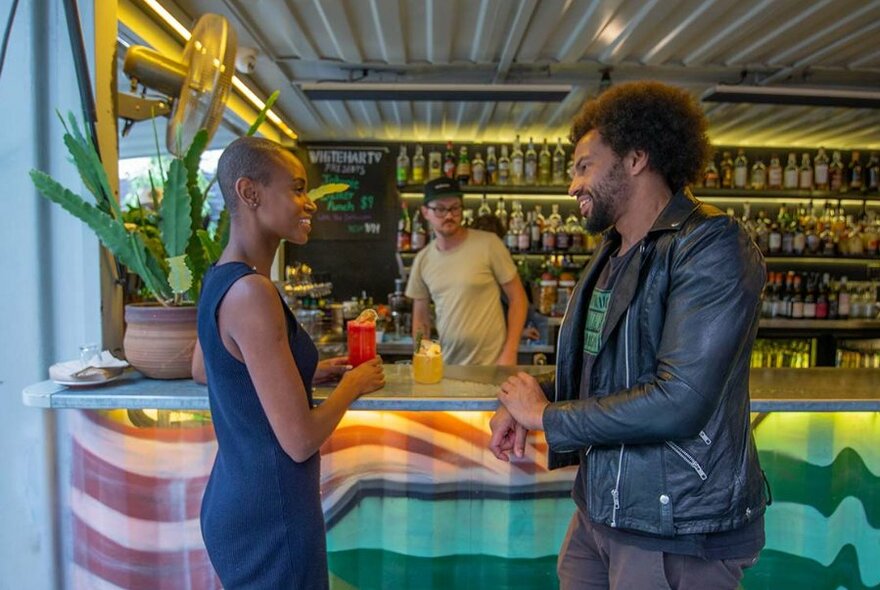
(811, 230)
(531, 164)
(784, 221)
(563, 238)
(774, 239)
(832, 297)
(820, 175)
(467, 218)
(402, 167)
(516, 224)
(790, 174)
(726, 170)
(418, 166)
(463, 171)
(805, 181)
(510, 238)
(501, 212)
(710, 175)
(536, 229)
(843, 299)
(559, 163)
(740, 170)
(799, 237)
(449, 162)
(503, 167)
(855, 177)
(872, 174)
(517, 173)
(822, 299)
(418, 237)
(524, 240)
(435, 164)
(797, 300)
(575, 235)
(548, 238)
(774, 173)
(748, 223)
(491, 166)
(484, 206)
(762, 233)
(404, 229)
(759, 175)
(544, 164)
(478, 170)
(853, 237)
(836, 173)
(827, 245)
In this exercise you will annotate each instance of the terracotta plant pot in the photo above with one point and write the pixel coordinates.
(159, 341)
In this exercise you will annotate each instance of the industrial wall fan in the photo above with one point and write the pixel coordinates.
(196, 89)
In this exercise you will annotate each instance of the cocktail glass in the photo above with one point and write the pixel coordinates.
(428, 363)
(362, 338)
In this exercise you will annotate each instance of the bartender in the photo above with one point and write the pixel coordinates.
(464, 271)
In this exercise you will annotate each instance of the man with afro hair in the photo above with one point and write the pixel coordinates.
(651, 395)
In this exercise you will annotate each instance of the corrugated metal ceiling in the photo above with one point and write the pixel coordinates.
(692, 43)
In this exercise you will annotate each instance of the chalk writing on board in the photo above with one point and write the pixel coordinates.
(359, 211)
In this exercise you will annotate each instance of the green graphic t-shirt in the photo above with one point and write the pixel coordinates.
(600, 301)
(596, 320)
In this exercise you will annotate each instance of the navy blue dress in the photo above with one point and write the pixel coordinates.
(261, 513)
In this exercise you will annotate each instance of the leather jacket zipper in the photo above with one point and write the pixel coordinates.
(615, 493)
(687, 459)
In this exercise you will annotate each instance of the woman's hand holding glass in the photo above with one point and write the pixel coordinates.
(331, 369)
(365, 378)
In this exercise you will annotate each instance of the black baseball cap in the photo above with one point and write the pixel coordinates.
(441, 187)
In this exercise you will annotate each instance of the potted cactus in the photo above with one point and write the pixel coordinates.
(170, 250)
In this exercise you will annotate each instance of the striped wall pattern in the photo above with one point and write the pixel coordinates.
(416, 500)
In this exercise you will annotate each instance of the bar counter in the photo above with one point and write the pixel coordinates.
(413, 498)
(471, 388)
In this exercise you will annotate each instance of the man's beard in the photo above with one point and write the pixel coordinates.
(609, 196)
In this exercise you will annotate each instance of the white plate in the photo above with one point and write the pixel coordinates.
(85, 383)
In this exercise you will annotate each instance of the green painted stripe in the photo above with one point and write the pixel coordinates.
(526, 529)
(780, 571)
(823, 488)
(801, 530)
(368, 569)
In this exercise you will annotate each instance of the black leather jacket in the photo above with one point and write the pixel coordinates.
(664, 434)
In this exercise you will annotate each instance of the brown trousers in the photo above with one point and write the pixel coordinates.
(590, 560)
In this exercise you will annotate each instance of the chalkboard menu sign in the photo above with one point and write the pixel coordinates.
(353, 233)
(360, 212)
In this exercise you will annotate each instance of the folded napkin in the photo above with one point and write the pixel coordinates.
(103, 368)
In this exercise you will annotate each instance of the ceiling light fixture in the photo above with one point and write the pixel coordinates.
(439, 92)
(793, 95)
(240, 86)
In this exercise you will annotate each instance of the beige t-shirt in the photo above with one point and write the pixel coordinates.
(464, 284)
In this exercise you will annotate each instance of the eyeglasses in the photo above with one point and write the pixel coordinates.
(443, 211)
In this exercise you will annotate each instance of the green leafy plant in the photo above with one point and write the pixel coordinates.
(167, 248)
(170, 261)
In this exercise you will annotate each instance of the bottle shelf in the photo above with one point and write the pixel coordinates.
(813, 325)
(779, 258)
(495, 189)
(789, 325)
(561, 191)
(769, 259)
(816, 195)
(537, 254)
